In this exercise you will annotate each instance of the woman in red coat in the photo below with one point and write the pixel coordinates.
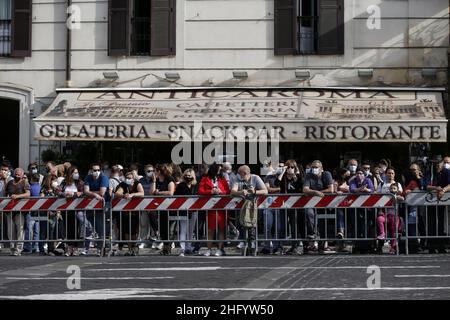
(215, 184)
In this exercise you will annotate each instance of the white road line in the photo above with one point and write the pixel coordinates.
(422, 276)
(253, 268)
(91, 278)
(134, 293)
(153, 262)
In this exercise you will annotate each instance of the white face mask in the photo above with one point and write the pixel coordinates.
(96, 174)
(129, 182)
(315, 171)
(149, 174)
(447, 165)
(352, 168)
(34, 171)
(76, 176)
(290, 170)
(366, 173)
(54, 184)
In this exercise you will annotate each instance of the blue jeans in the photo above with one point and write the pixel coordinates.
(277, 217)
(31, 233)
(96, 220)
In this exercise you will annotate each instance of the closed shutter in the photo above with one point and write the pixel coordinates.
(285, 27)
(331, 27)
(162, 27)
(21, 28)
(118, 28)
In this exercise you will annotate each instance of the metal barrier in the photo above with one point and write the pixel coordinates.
(51, 220)
(295, 217)
(283, 219)
(426, 220)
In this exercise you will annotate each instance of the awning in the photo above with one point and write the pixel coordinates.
(289, 114)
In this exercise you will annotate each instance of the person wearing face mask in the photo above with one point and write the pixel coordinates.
(148, 220)
(72, 187)
(248, 186)
(33, 169)
(32, 225)
(291, 181)
(440, 185)
(273, 217)
(352, 166)
(187, 187)
(215, 184)
(317, 183)
(96, 186)
(129, 220)
(16, 189)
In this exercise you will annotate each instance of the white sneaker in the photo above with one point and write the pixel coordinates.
(83, 252)
(173, 245)
(160, 246)
(181, 253)
(219, 253)
(241, 245)
(207, 253)
(141, 246)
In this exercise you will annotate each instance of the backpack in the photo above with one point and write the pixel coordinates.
(249, 214)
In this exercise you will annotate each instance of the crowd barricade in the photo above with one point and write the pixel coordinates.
(426, 220)
(282, 219)
(52, 221)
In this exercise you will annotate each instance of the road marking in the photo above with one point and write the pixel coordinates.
(91, 278)
(253, 268)
(134, 293)
(152, 262)
(422, 276)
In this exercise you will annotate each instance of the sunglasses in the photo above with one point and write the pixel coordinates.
(291, 167)
(148, 171)
(95, 170)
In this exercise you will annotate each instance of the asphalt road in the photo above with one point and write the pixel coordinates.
(310, 277)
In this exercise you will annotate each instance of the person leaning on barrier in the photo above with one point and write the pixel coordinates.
(393, 221)
(436, 214)
(249, 186)
(187, 187)
(364, 217)
(273, 217)
(215, 184)
(16, 189)
(414, 214)
(291, 181)
(164, 186)
(32, 223)
(317, 183)
(5, 177)
(72, 187)
(129, 220)
(95, 186)
(148, 220)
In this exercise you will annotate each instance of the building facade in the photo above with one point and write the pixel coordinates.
(200, 43)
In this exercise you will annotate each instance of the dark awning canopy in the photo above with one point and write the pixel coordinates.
(288, 114)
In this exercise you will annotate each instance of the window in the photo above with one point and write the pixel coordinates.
(309, 27)
(141, 27)
(15, 28)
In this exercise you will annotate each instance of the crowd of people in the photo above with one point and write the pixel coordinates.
(83, 229)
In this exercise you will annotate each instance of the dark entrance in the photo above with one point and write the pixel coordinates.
(9, 130)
